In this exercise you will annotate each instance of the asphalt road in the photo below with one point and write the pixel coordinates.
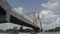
(38, 33)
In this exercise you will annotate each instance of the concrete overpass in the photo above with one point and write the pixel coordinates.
(8, 15)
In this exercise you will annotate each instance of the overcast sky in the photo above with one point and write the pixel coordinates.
(49, 10)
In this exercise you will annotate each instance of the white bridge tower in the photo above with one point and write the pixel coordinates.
(37, 20)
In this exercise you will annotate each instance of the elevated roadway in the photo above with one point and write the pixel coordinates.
(8, 15)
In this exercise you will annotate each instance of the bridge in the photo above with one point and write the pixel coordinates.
(7, 15)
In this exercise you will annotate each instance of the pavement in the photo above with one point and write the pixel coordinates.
(37, 33)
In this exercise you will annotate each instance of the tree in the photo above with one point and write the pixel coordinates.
(1, 30)
(21, 29)
(57, 28)
(9, 30)
(28, 30)
(51, 30)
(12, 30)
(15, 28)
(24, 30)
(46, 31)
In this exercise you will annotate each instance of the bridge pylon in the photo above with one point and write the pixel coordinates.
(37, 20)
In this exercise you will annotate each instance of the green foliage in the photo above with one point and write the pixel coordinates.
(28, 30)
(53, 30)
(9, 30)
(24, 30)
(57, 28)
(12, 30)
(21, 29)
(1, 30)
(46, 31)
(15, 30)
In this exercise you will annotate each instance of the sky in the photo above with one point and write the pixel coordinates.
(28, 5)
(49, 10)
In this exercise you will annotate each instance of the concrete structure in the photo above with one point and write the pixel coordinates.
(8, 15)
(37, 20)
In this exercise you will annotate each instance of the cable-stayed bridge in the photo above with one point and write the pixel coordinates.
(7, 15)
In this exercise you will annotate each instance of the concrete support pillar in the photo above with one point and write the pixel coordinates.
(7, 16)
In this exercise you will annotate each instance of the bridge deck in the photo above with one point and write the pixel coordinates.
(14, 17)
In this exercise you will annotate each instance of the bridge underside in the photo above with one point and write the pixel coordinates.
(19, 22)
(2, 15)
(14, 20)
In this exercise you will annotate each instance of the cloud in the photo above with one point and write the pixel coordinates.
(18, 10)
(52, 4)
(56, 23)
(46, 13)
(5, 26)
(50, 19)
